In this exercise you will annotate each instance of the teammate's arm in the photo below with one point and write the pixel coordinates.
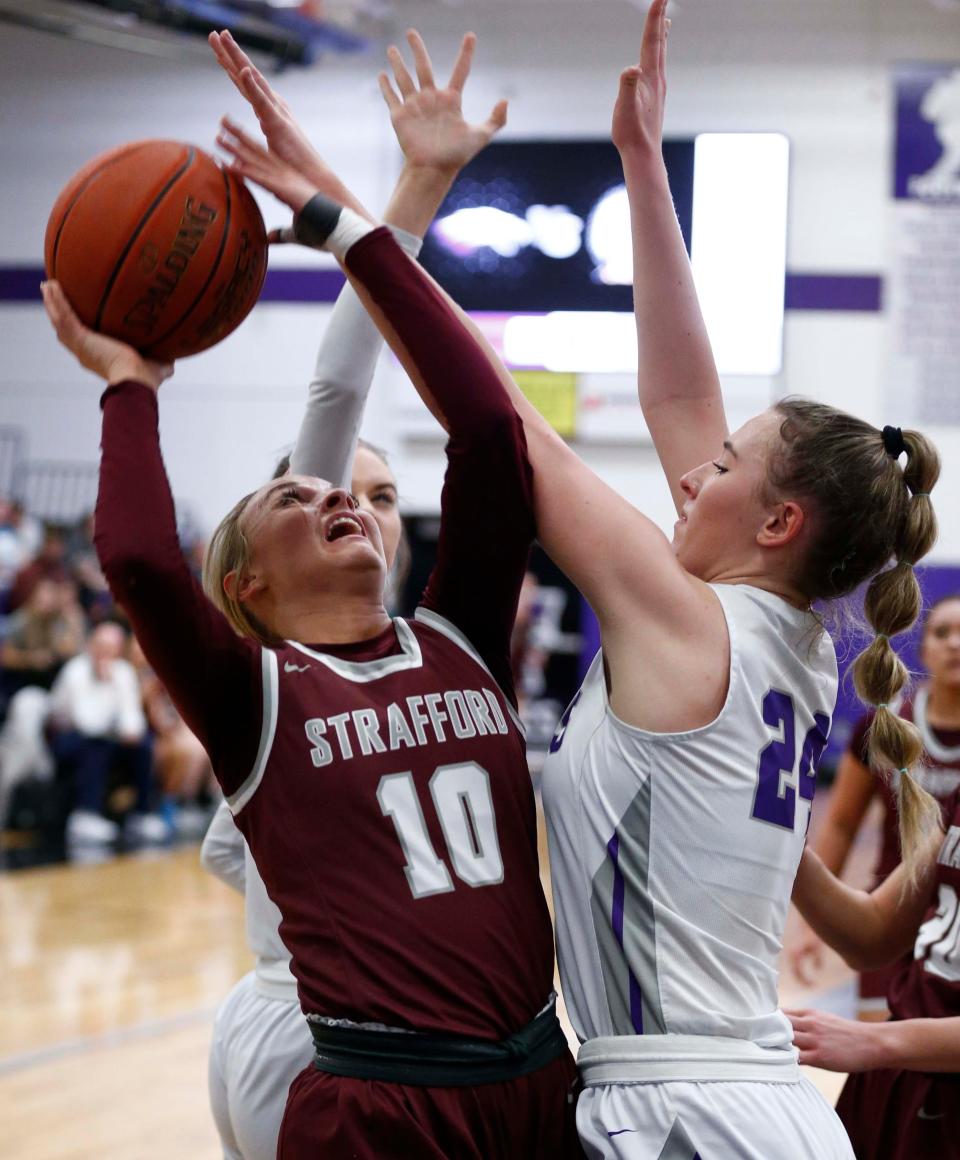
(337, 394)
(207, 669)
(677, 378)
(867, 929)
(838, 1044)
(487, 525)
(222, 852)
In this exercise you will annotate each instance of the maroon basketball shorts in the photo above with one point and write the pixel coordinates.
(336, 1117)
(386, 1094)
(901, 1115)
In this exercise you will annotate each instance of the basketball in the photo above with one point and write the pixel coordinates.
(156, 244)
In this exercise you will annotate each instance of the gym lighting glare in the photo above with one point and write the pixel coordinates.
(739, 241)
(739, 246)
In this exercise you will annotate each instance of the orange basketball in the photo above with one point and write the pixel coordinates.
(156, 244)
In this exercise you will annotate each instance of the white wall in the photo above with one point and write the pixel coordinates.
(817, 71)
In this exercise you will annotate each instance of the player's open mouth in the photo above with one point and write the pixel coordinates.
(344, 526)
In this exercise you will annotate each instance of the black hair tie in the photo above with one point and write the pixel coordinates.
(893, 442)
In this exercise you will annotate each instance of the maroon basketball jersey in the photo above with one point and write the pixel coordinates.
(391, 816)
(382, 785)
(940, 774)
(929, 986)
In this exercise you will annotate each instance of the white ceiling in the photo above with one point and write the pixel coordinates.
(533, 35)
(813, 32)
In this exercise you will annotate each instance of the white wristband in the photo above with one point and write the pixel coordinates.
(348, 231)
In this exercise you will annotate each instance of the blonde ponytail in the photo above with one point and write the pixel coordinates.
(867, 513)
(891, 606)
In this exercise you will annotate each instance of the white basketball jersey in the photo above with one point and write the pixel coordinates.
(673, 855)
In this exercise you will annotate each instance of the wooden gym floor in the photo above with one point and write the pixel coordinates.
(109, 978)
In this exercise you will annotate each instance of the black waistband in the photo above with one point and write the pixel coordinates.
(430, 1060)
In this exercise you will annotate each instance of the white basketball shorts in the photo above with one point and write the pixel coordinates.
(681, 1097)
(259, 1046)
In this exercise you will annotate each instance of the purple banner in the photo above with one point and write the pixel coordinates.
(853, 292)
(849, 292)
(927, 153)
(22, 284)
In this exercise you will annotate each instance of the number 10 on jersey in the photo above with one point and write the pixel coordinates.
(464, 805)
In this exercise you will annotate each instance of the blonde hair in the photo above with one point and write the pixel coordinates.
(873, 521)
(229, 551)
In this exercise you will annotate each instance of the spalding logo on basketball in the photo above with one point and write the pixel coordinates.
(157, 245)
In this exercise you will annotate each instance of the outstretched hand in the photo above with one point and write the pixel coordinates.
(427, 120)
(286, 140)
(252, 161)
(107, 357)
(638, 113)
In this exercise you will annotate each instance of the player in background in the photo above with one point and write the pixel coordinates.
(375, 766)
(935, 710)
(260, 1041)
(678, 807)
(900, 1102)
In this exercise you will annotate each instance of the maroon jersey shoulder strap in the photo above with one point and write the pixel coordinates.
(269, 674)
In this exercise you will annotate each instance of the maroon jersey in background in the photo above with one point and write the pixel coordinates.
(382, 786)
(914, 1115)
(940, 775)
(929, 985)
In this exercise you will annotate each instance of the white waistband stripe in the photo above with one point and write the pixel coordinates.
(633, 1059)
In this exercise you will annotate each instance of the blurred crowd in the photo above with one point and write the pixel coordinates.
(92, 750)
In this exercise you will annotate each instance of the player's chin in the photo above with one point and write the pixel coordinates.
(353, 551)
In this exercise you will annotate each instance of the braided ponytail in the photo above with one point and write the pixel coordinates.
(868, 512)
(891, 605)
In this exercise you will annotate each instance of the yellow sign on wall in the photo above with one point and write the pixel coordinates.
(555, 397)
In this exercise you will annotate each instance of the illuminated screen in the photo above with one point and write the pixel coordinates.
(538, 232)
(538, 226)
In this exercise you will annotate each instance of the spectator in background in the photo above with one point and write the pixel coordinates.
(48, 564)
(527, 658)
(40, 637)
(182, 767)
(20, 539)
(28, 528)
(37, 640)
(97, 724)
(82, 560)
(24, 753)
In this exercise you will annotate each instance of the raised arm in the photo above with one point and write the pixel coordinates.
(677, 378)
(337, 394)
(436, 142)
(578, 517)
(208, 670)
(487, 522)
